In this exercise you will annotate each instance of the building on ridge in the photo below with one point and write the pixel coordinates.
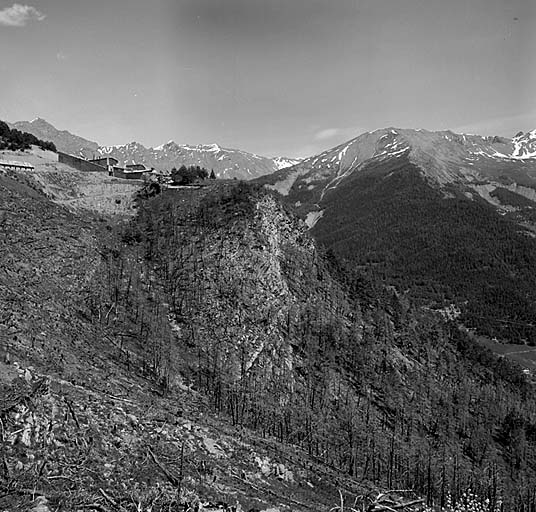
(14, 165)
(80, 164)
(131, 171)
(136, 167)
(106, 161)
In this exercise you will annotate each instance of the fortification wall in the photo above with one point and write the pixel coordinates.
(79, 163)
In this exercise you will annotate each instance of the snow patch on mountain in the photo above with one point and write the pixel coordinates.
(444, 157)
(162, 146)
(313, 217)
(282, 162)
(525, 145)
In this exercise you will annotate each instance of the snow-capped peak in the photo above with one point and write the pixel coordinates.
(162, 146)
(213, 148)
(525, 145)
(282, 162)
(40, 122)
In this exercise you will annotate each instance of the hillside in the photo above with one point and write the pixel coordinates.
(87, 422)
(207, 350)
(446, 218)
(286, 341)
(78, 191)
(13, 139)
(64, 140)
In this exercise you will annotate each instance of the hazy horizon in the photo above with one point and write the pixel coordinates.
(273, 77)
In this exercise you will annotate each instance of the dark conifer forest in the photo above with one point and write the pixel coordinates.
(401, 230)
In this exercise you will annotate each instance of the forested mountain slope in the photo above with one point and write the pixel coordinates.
(440, 250)
(446, 218)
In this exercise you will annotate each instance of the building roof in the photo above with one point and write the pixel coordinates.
(14, 163)
(105, 158)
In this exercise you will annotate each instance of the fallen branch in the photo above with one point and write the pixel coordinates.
(108, 498)
(71, 410)
(121, 399)
(267, 490)
(172, 479)
(24, 492)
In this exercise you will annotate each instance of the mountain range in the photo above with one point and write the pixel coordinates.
(226, 163)
(476, 163)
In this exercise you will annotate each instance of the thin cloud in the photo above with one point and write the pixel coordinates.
(506, 125)
(326, 134)
(19, 15)
(304, 151)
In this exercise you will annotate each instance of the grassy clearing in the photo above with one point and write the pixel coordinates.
(524, 355)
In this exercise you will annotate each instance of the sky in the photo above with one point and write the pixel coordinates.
(274, 77)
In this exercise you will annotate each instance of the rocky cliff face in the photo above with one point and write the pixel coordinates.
(244, 272)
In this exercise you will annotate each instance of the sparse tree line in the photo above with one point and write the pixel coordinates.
(15, 140)
(128, 305)
(350, 372)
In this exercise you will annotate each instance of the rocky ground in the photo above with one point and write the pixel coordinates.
(70, 446)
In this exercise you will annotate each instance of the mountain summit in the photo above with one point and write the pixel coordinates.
(525, 145)
(64, 140)
(444, 157)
